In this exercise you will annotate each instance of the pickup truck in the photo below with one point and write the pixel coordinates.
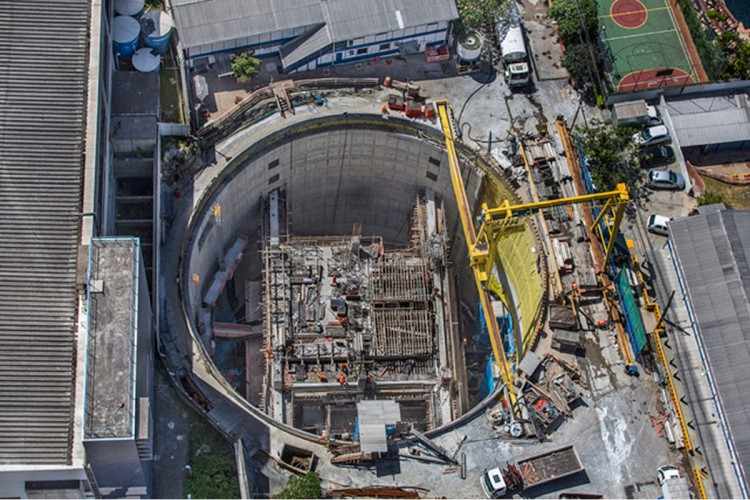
(531, 472)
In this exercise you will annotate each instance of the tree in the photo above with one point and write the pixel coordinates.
(307, 486)
(213, 476)
(245, 66)
(577, 60)
(612, 156)
(570, 15)
(480, 14)
(709, 198)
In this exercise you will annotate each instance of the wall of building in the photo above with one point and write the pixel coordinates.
(382, 44)
(264, 43)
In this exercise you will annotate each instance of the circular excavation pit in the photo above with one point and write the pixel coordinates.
(326, 266)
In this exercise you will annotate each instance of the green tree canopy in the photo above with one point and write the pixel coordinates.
(480, 14)
(307, 486)
(612, 156)
(245, 66)
(570, 15)
(577, 60)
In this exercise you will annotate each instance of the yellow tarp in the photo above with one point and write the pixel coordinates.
(518, 257)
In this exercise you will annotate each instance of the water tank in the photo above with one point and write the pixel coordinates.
(157, 27)
(129, 7)
(470, 47)
(146, 60)
(125, 32)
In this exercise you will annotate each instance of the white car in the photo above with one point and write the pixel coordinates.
(658, 224)
(652, 135)
(673, 484)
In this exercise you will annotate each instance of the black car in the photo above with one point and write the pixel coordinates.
(656, 156)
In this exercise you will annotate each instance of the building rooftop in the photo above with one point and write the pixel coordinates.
(43, 87)
(201, 22)
(710, 120)
(111, 352)
(713, 252)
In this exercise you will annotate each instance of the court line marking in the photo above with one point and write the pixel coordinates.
(634, 12)
(635, 35)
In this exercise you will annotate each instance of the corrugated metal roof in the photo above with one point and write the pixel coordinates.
(713, 251)
(710, 120)
(318, 38)
(202, 22)
(43, 83)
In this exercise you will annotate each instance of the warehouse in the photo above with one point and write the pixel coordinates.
(709, 252)
(307, 34)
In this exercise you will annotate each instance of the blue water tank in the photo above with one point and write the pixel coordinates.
(129, 7)
(157, 27)
(125, 33)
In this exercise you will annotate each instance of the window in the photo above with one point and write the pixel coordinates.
(384, 46)
(431, 176)
(273, 164)
(434, 161)
(273, 179)
(363, 50)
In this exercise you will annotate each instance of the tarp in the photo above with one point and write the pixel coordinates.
(630, 308)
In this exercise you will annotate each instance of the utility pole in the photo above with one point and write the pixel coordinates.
(584, 33)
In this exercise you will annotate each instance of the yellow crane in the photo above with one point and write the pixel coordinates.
(482, 245)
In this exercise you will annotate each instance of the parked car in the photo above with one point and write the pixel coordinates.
(658, 224)
(666, 179)
(673, 484)
(652, 135)
(656, 156)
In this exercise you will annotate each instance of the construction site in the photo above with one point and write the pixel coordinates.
(360, 288)
(330, 293)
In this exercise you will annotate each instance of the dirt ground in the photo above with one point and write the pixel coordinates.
(734, 195)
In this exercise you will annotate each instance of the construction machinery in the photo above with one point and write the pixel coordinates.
(482, 244)
(531, 472)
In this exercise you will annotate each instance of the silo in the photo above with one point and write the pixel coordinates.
(125, 32)
(129, 7)
(470, 47)
(157, 27)
(145, 60)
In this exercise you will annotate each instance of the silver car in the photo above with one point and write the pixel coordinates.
(666, 179)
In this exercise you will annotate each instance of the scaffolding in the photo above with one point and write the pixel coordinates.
(346, 319)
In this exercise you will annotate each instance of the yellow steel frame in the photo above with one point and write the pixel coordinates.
(482, 244)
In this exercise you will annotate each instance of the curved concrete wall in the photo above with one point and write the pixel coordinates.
(337, 171)
(333, 178)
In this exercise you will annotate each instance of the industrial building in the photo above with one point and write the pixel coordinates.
(709, 253)
(308, 34)
(66, 430)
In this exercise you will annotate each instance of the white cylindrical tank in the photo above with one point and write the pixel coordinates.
(145, 61)
(129, 7)
(470, 47)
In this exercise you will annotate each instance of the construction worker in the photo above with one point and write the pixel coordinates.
(341, 377)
